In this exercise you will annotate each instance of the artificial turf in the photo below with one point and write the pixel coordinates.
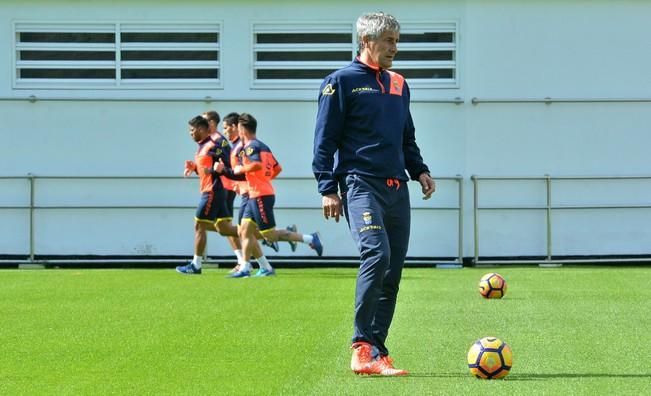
(573, 330)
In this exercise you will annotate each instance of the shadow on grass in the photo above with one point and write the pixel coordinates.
(419, 375)
(438, 375)
(540, 376)
(530, 376)
(317, 275)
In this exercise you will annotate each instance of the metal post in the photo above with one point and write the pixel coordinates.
(475, 183)
(460, 244)
(31, 217)
(548, 182)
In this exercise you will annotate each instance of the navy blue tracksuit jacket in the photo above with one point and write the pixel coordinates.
(364, 141)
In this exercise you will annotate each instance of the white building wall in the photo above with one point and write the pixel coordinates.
(508, 50)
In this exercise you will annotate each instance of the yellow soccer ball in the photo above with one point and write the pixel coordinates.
(492, 285)
(490, 358)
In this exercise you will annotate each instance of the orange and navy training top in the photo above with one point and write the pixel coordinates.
(208, 152)
(239, 186)
(222, 142)
(259, 181)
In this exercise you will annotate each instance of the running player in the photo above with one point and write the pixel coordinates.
(213, 121)
(230, 132)
(228, 229)
(243, 267)
(256, 162)
(212, 212)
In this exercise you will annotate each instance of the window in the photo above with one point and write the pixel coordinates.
(427, 55)
(187, 56)
(113, 55)
(299, 56)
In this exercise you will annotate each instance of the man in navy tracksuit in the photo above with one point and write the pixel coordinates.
(364, 140)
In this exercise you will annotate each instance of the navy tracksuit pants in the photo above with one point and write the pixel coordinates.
(378, 214)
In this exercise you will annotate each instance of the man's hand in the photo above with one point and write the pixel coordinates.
(238, 169)
(190, 167)
(427, 184)
(219, 167)
(332, 206)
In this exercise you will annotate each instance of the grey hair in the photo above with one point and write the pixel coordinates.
(373, 24)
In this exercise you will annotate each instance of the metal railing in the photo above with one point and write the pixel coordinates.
(549, 100)
(206, 99)
(548, 208)
(31, 207)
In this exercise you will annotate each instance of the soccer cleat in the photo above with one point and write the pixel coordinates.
(388, 368)
(316, 244)
(273, 245)
(292, 244)
(264, 272)
(364, 363)
(362, 356)
(188, 269)
(240, 274)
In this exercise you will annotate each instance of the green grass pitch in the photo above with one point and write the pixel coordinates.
(573, 330)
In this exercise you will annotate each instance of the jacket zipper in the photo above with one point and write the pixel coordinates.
(377, 77)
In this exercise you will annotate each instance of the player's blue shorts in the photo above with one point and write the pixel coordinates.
(230, 199)
(212, 207)
(260, 210)
(244, 198)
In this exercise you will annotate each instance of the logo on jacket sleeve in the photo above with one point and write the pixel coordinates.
(328, 90)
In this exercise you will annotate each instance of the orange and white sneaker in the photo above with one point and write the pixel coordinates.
(363, 362)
